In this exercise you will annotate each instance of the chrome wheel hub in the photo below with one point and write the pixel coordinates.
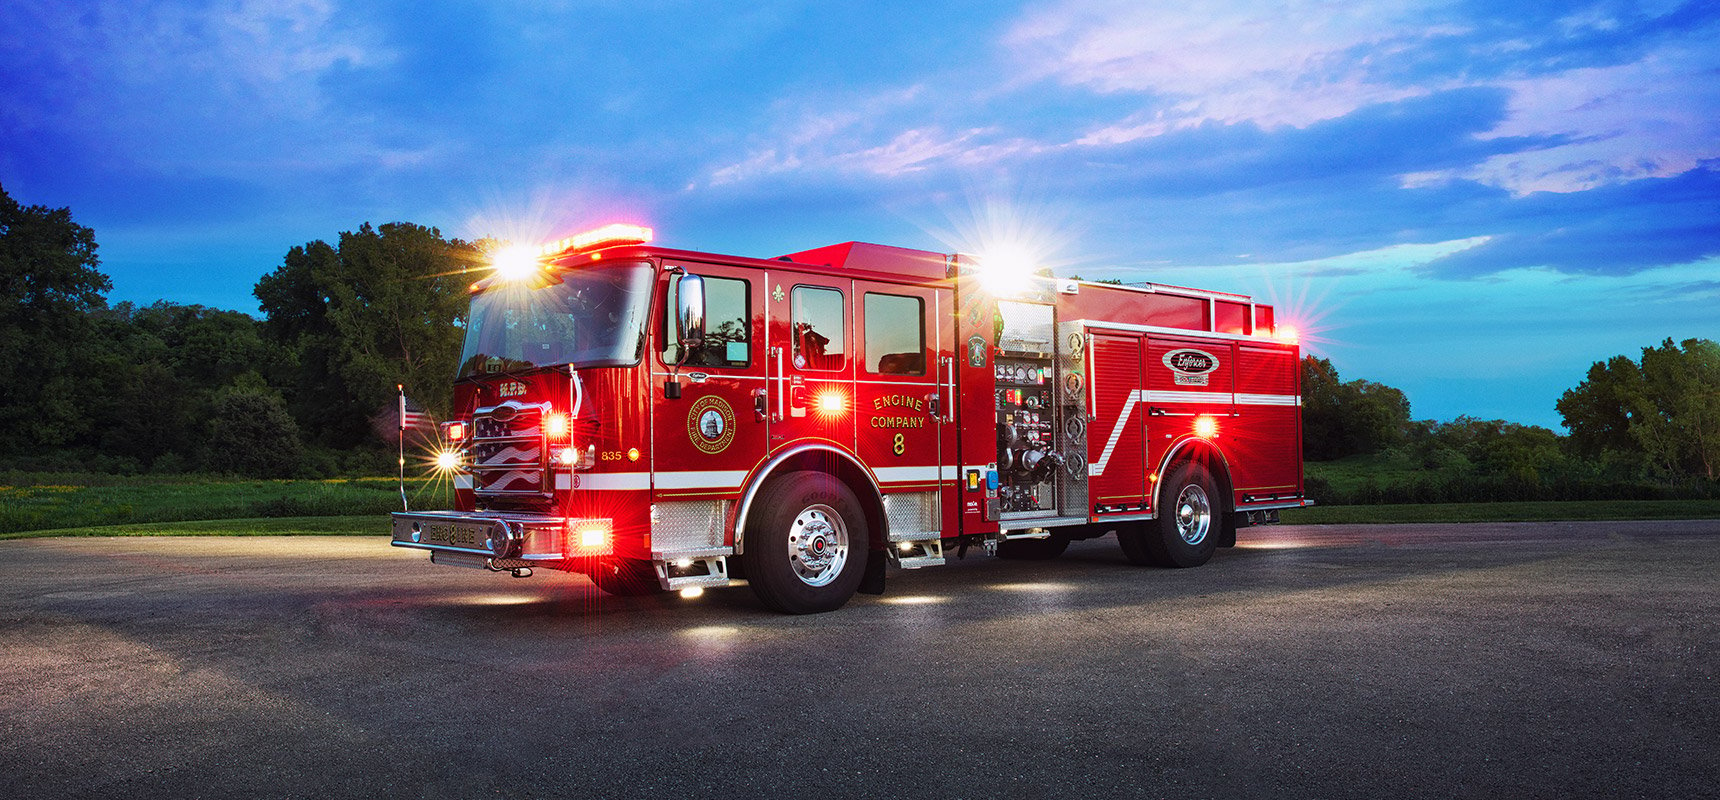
(1193, 514)
(817, 545)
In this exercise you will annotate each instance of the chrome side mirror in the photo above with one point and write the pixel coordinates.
(689, 316)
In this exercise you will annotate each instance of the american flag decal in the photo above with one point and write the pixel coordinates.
(508, 453)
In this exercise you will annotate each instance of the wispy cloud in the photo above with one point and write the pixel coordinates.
(180, 87)
(1599, 96)
(1652, 118)
(1271, 64)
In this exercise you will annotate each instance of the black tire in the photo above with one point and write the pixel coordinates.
(1033, 549)
(1192, 517)
(626, 577)
(806, 543)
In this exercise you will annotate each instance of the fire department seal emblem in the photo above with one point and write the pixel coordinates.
(711, 424)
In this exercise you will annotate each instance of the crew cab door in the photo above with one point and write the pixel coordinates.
(705, 442)
(811, 364)
(903, 392)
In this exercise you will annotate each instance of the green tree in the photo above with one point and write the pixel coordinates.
(49, 285)
(1663, 410)
(1527, 453)
(1342, 419)
(166, 365)
(251, 433)
(385, 306)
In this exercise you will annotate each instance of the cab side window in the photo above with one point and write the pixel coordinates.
(819, 323)
(895, 335)
(728, 329)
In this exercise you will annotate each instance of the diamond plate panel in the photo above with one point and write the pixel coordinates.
(912, 516)
(692, 525)
(1026, 327)
(1072, 433)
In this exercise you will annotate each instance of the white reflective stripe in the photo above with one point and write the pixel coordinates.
(1220, 397)
(1187, 397)
(948, 472)
(1268, 400)
(462, 481)
(892, 474)
(727, 479)
(610, 480)
(1097, 468)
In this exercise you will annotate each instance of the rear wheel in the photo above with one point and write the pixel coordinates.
(806, 543)
(1033, 549)
(1191, 517)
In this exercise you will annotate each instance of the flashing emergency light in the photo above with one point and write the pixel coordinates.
(447, 460)
(557, 425)
(1006, 270)
(515, 263)
(618, 233)
(1284, 333)
(1205, 427)
(567, 457)
(454, 431)
(588, 537)
(832, 401)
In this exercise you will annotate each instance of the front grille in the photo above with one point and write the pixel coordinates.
(509, 458)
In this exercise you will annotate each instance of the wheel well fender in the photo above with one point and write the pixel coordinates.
(1208, 455)
(813, 458)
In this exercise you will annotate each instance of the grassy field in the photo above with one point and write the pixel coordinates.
(35, 502)
(34, 505)
(365, 525)
(1348, 474)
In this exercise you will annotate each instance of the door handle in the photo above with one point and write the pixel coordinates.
(759, 411)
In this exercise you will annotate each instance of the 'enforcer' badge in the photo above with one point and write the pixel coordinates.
(711, 424)
(1191, 367)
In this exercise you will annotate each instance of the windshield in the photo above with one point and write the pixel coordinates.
(589, 317)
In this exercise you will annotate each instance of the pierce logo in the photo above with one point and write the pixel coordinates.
(1192, 367)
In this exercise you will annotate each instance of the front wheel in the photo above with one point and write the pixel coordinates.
(1191, 515)
(806, 543)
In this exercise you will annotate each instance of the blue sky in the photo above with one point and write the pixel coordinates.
(1472, 201)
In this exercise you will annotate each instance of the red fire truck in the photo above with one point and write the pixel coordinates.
(663, 419)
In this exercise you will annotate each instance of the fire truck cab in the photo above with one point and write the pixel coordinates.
(663, 419)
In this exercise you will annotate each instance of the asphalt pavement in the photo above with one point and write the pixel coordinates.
(1493, 660)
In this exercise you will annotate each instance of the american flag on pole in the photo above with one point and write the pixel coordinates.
(413, 416)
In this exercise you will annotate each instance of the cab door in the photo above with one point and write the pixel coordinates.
(903, 396)
(705, 442)
(811, 365)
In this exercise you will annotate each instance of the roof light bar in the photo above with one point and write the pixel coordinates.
(618, 233)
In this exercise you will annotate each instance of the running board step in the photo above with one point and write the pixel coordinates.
(917, 554)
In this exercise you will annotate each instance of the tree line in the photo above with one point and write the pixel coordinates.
(1639, 429)
(308, 389)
